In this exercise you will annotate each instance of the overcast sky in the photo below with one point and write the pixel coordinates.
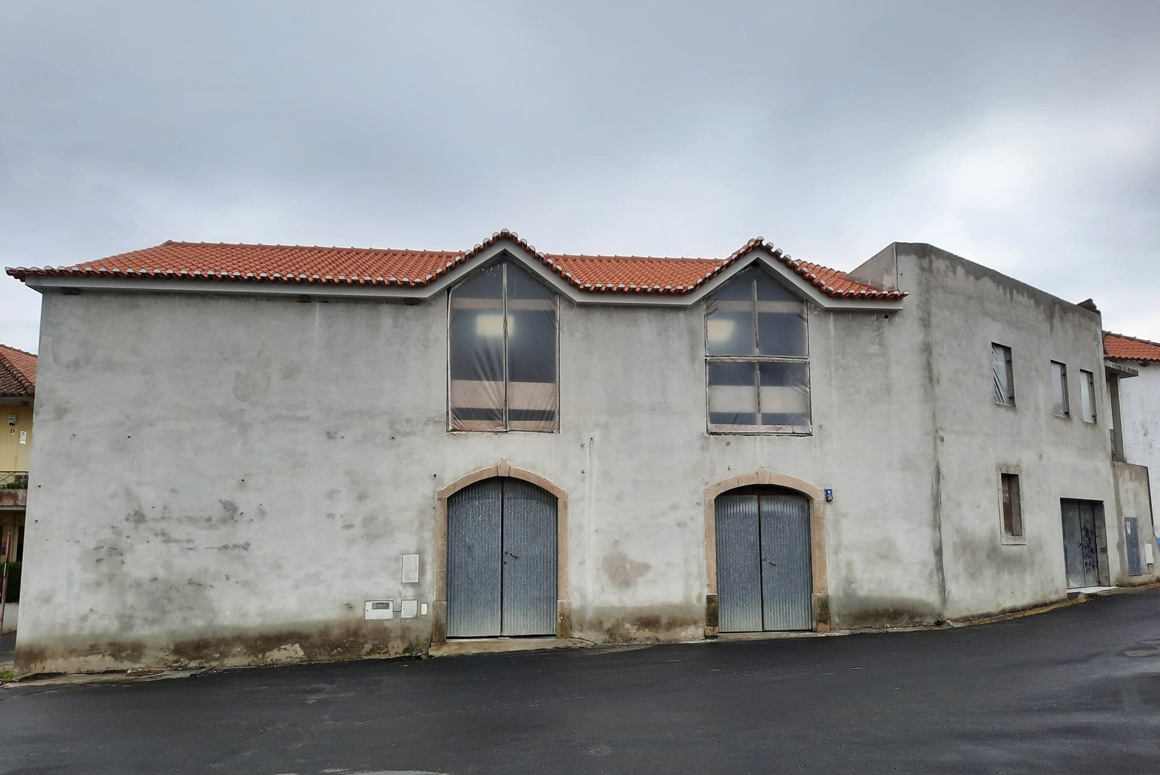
(1022, 135)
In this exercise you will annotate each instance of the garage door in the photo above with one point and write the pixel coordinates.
(764, 579)
(501, 560)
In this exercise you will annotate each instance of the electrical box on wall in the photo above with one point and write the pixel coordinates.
(410, 569)
(379, 609)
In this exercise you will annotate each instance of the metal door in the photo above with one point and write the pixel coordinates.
(738, 564)
(1080, 544)
(501, 560)
(764, 579)
(786, 581)
(1132, 536)
(529, 559)
(474, 578)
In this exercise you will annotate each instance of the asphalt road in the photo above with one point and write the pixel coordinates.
(1073, 691)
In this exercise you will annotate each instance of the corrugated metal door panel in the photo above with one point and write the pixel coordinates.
(1089, 543)
(529, 559)
(738, 564)
(474, 581)
(785, 562)
(1132, 533)
(1072, 554)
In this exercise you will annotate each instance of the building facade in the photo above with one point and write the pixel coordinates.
(254, 454)
(17, 392)
(1134, 379)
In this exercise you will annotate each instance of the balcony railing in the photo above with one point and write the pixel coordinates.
(13, 480)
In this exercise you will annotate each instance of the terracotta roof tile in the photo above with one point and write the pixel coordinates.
(17, 372)
(370, 266)
(1129, 348)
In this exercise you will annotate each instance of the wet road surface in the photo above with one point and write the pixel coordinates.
(1076, 690)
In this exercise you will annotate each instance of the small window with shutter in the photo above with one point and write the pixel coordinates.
(1012, 506)
(1059, 403)
(1087, 395)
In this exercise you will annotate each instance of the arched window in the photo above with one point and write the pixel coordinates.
(503, 368)
(757, 357)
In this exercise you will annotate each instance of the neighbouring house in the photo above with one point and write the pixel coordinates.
(17, 391)
(250, 453)
(1136, 411)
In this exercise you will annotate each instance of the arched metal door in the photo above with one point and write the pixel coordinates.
(501, 560)
(764, 578)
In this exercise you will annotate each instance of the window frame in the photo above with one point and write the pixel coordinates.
(1009, 359)
(759, 430)
(1087, 379)
(1066, 393)
(504, 260)
(1007, 475)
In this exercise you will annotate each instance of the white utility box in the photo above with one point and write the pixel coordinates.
(379, 609)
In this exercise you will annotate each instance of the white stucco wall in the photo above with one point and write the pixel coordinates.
(1133, 502)
(1140, 413)
(970, 307)
(223, 478)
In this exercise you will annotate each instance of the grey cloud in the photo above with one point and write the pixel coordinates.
(1025, 136)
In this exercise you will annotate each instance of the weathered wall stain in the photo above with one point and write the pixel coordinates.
(621, 570)
(868, 612)
(339, 640)
(644, 624)
(252, 384)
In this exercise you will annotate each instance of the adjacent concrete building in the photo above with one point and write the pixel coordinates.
(1134, 382)
(250, 454)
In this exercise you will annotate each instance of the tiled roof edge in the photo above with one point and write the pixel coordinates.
(11, 368)
(806, 270)
(1135, 339)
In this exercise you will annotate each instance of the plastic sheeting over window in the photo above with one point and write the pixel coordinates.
(1059, 402)
(755, 315)
(1001, 374)
(503, 363)
(757, 348)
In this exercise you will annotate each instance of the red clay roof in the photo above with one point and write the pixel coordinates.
(1129, 348)
(370, 266)
(17, 372)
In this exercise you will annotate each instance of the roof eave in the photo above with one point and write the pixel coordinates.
(500, 243)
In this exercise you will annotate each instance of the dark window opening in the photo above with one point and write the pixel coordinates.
(1012, 506)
